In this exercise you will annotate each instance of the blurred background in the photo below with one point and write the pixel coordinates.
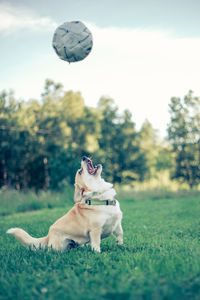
(131, 105)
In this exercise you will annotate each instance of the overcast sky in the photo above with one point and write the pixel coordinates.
(145, 52)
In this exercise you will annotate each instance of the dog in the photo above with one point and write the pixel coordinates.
(95, 215)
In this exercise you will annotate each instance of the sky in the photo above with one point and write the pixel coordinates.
(144, 53)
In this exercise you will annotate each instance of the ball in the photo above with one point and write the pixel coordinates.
(72, 41)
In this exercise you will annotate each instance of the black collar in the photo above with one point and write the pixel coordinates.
(100, 202)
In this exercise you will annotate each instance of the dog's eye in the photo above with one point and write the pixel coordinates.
(80, 171)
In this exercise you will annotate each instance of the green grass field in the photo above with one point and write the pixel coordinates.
(160, 258)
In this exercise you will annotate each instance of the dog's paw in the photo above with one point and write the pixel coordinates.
(96, 248)
(120, 242)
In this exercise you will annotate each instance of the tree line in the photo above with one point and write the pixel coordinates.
(42, 141)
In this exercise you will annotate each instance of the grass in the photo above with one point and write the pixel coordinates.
(12, 201)
(159, 258)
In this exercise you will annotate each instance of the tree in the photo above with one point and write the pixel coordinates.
(157, 153)
(184, 135)
(119, 144)
(11, 140)
(42, 141)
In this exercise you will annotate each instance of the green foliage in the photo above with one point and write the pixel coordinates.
(184, 135)
(119, 144)
(159, 258)
(43, 141)
(156, 152)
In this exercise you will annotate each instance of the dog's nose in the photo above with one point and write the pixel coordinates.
(84, 158)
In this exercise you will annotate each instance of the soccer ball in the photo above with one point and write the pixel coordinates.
(72, 41)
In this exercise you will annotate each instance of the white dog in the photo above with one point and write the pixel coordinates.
(95, 215)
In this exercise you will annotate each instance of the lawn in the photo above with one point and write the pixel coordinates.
(160, 258)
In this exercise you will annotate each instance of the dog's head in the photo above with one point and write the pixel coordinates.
(88, 180)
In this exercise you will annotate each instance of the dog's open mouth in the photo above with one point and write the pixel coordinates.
(91, 170)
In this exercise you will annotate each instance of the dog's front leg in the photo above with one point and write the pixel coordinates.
(95, 239)
(118, 233)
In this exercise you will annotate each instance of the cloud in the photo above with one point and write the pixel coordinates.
(16, 18)
(140, 69)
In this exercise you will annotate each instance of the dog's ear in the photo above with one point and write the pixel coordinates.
(78, 193)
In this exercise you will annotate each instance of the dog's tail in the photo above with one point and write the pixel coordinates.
(27, 240)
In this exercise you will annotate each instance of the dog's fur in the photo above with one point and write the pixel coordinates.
(83, 223)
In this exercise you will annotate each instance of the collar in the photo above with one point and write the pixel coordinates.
(100, 202)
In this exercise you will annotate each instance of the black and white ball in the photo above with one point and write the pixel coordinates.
(72, 41)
